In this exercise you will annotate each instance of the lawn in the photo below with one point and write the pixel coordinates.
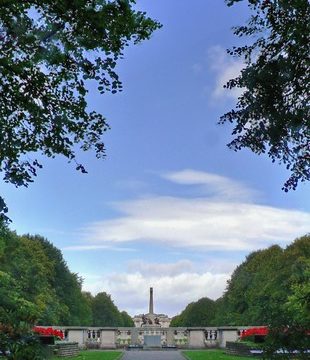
(95, 355)
(211, 355)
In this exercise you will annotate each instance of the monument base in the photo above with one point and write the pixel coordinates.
(152, 342)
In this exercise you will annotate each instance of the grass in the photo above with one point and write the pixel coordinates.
(94, 355)
(211, 355)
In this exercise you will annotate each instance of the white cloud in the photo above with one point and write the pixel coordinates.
(225, 68)
(226, 218)
(95, 247)
(152, 269)
(212, 184)
(173, 290)
(208, 223)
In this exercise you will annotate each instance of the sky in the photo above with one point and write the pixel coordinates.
(170, 206)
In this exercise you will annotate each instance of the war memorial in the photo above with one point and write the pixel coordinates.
(151, 331)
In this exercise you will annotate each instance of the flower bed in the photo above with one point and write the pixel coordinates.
(252, 332)
(48, 332)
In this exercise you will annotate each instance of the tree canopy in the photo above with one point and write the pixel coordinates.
(199, 313)
(271, 288)
(49, 52)
(272, 114)
(268, 285)
(44, 288)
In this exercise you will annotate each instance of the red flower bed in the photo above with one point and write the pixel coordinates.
(263, 331)
(48, 332)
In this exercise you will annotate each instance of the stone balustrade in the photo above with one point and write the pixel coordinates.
(179, 337)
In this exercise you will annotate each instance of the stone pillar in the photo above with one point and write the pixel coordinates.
(170, 337)
(77, 335)
(134, 336)
(227, 334)
(108, 339)
(151, 307)
(196, 338)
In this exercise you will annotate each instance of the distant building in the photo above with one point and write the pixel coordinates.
(151, 319)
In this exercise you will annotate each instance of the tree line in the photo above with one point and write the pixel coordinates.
(271, 287)
(36, 286)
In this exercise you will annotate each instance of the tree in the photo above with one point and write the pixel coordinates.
(75, 307)
(199, 313)
(289, 327)
(105, 313)
(271, 287)
(17, 315)
(272, 114)
(43, 279)
(49, 51)
(127, 320)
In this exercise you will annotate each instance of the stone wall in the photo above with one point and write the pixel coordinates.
(240, 349)
(190, 337)
(67, 349)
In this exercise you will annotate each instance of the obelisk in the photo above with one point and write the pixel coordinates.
(151, 307)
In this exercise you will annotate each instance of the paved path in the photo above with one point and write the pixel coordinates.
(153, 355)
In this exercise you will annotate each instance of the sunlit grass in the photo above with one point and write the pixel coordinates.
(211, 355)
(94, 355)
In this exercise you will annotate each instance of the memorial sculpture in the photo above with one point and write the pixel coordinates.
(151, 319)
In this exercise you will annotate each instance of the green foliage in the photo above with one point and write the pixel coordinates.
(127, 320)
(28, 347)
(30, 267)
(253, 289)
(49, 52)
(200, 313)
(74, 308)
(288, 337)
(273, 116)
(43, 279)
(36, 287)
(96, 355)
(268, 285)
(271, 287)
(105, 313)
(17, 316)
(14, 308)
(211, 355)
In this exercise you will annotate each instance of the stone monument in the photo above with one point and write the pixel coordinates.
(151, 319)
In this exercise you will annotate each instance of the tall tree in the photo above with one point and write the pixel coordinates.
(74, 307)
(271, 287)
(105, 312)
(127, 320)
(49, 51)
(43, 278)
(199, 313)
(272, 114)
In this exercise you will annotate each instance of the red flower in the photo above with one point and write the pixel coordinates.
(48, 332)
(263, 331)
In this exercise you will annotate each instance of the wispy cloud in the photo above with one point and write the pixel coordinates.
(213, 184)
(222, 221)
(95, 248)
(224, 68)
(201, 223)
(224, 218)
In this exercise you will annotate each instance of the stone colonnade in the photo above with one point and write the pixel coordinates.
(179, 337)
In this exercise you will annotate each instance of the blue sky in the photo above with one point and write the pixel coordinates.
(171, 206)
